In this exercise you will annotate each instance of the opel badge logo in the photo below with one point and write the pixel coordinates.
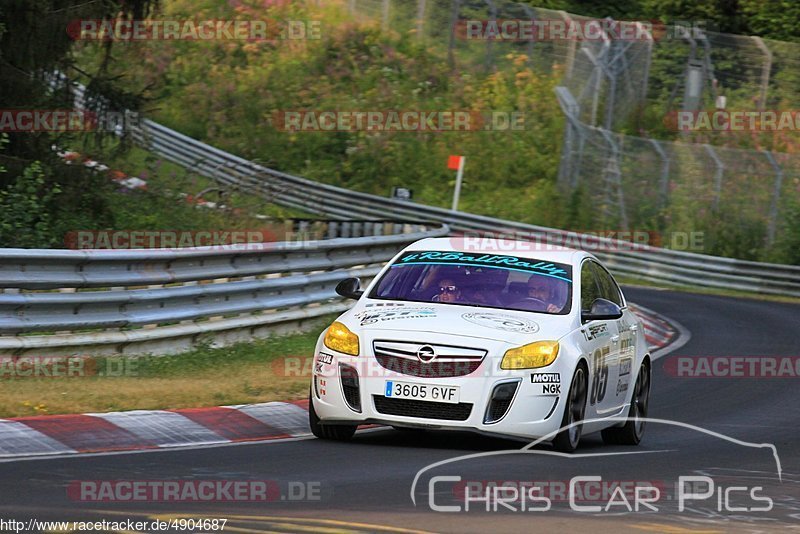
(426, 354)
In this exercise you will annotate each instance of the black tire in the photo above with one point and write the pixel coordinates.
(567, 440)
(632, 431)
(333, 432)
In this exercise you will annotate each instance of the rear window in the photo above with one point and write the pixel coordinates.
(485, 280)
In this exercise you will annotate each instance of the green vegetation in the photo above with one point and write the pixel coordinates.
(163, 207)
(230, 93)
(233, 104)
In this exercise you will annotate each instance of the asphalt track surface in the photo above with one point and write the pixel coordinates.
(366, 485)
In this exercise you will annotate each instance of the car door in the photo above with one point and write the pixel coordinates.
(599, 345)
(623, 344)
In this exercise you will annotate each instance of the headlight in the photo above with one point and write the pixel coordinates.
(539, 354)
(341, 339)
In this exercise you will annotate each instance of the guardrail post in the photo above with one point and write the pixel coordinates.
(333, 229)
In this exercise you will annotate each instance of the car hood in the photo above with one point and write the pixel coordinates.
(507, 326)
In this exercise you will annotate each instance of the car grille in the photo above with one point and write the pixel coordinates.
(500, 401)
(428, 410)
(349, 378)
(449, 361)
(497, 409)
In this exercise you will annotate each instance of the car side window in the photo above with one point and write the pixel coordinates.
(589, 288)
(609, 289)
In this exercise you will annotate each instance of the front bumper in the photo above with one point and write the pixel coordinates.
(351, 390)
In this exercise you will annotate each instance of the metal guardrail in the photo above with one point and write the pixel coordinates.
(162, 300)
(68, 301)
(649, 263)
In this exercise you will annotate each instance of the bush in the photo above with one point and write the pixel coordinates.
(25, 220)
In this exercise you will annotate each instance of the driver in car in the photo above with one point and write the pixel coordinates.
(448, 291)
(545, 288)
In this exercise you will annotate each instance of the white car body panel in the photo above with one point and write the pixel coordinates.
(535, 410)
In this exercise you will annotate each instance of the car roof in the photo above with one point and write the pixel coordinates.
(502, 247)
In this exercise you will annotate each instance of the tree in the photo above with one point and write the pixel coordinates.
(34, 44)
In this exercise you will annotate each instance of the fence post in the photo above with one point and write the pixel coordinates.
(612, 183)
(490, 42)
(532, 16)
(421, 20)
(766, 69)
(570, 49)
(720, 168)
(648, 60)
(776, 196)
(664, 181)
(451, 61)
(570, 108)
(385, 14)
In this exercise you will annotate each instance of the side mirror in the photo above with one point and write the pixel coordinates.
(602, 310)
(350, 288)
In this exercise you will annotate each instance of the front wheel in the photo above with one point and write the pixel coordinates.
(631, 433)
(572, 421)
(333, 432)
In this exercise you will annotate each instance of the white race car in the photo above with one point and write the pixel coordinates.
(531, 344)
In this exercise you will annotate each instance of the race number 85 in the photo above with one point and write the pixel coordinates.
(600, 378)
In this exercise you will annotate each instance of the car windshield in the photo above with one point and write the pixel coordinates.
(477, 279)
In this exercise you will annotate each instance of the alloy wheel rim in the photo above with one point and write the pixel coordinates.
(640, 400)
(577, 398)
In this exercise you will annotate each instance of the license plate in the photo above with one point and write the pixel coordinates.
(422, 392)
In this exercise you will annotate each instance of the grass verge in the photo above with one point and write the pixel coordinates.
(276, 368)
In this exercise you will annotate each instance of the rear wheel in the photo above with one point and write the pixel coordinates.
(334, 432)
(567, 440)
(631, 433)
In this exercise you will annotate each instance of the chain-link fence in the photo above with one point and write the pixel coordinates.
(683, 66)
(638, 182)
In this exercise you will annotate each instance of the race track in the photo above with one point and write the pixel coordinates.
(366, 485)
